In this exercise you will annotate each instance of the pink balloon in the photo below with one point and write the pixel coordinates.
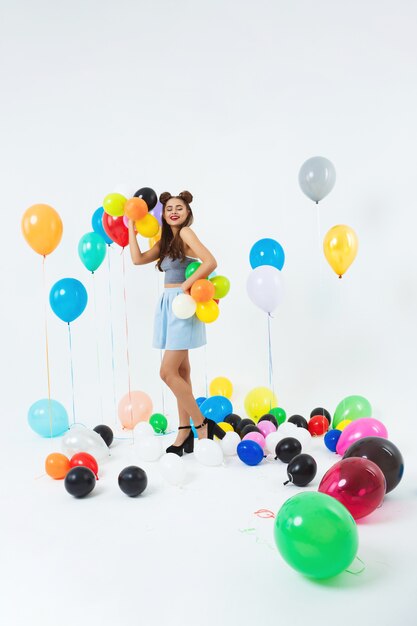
(126, 222)
(134, 408)
(254, 436)
(358, 429)
(266, 427)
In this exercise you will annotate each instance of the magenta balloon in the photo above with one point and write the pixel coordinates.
(360, 486)
(358, 429)
(266, 427)
(257, 437)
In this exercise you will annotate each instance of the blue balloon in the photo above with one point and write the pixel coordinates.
(97, 224)
(68, 299)
(267, 252)
(331, 438)
(48, 418)
(250, 452)
(200, 400)
(216, 408)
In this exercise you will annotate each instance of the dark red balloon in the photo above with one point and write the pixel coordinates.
(357, 483)
(318, 425)
(115, 229)
(83, 459)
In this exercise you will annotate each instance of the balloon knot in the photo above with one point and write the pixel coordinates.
(340, 275)
(286, 482)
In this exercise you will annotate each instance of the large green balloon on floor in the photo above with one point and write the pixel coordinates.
(352, 408)
(316, 534)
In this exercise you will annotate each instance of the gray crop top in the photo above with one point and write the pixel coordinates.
(175, 269)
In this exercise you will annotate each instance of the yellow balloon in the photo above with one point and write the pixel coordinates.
(207, 311)
(341, 425)
(114, 204)
(225, 426)
(221, 386)
(42, 228)
(340, 247)
(148, 226)
(260, 401)
(154, 240)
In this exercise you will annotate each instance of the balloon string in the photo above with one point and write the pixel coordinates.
(97, 347)
(72, 373)
(270, 363)
(48, 372)
(205, 369)
(127, 347)
(112, 338)
(160, 352)
(355, 571)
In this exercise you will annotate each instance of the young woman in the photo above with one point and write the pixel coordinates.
(178, 247)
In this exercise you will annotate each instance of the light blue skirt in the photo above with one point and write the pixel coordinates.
(172, 333)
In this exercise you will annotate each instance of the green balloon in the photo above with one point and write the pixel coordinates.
(316, 534)
(222, 286)
(279, 414)
(92, 250)
(191, 268)
(158, 422)
(352, 408)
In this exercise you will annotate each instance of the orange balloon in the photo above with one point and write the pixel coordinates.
(42, 228)
(202, 290)
(57, 465)
(136, 209)
(134, 409)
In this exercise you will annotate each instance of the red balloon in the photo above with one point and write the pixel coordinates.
(357, 483)
(85, 460)
(115, 228)
(318, 425)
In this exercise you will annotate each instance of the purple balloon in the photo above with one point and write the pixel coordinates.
(265, 287)
(157, 212)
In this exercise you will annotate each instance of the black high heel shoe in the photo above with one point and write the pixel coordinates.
(186, 446)
(212, 428)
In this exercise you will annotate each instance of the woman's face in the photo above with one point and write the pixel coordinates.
(175, 212)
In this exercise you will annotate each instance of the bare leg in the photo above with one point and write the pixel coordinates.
(184, 418)
(181, 388)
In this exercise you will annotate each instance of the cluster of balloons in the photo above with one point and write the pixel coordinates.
(317, 177)
(204, 297)
(264, 284)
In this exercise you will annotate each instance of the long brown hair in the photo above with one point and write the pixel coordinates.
(170, 245)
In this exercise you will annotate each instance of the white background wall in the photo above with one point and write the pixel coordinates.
(226, 99)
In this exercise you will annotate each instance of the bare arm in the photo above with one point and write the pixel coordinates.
(138, 257)
(208, 262)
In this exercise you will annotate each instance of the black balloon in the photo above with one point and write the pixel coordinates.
(321, 411)
(80, 481)
(233, 419)
(243, 423)
(301, 470)
(133, 480)
(106, 433)
(299, 421)
(269, 418)
(287, 449)
(149, 195)
(384, 454)
(250, 428)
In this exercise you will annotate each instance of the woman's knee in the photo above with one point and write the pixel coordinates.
(184, 371)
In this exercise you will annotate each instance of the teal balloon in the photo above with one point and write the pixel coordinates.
(48, 418)
(92, 250)
(68, 299)
(216, 408)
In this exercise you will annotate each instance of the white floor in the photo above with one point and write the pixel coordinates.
(196, 554)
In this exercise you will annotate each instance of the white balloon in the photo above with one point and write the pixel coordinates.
(208, 452)
(172, 468)
(79, 439)
(144, 429)
(229, 443)
(303, 437)
(271, 441)
(149, 448)
(184, 306)
(287, 429)
(265, 287)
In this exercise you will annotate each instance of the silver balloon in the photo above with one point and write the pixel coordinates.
(317, 178)
(81, 439)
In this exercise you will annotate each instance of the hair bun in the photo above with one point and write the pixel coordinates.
(164, 197)
(187, 196)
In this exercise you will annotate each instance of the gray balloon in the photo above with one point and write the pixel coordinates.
(317, 178)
